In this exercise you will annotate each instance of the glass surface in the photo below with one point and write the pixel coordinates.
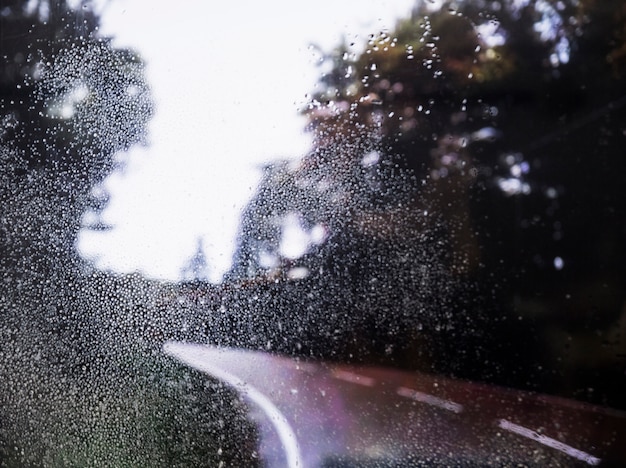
(330, 234)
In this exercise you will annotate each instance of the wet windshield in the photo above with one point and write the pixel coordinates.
(392, 236)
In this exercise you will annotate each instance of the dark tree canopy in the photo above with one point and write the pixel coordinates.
(69, 102)
(472, 152)
(481, 103)
(83, 381)
(61, 83)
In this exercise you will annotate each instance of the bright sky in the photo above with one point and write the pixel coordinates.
(227, 79)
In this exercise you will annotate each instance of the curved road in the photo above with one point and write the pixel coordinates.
(315, 414)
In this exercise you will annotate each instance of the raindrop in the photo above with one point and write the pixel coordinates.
(558, 263)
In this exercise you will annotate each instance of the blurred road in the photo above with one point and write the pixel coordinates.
(315, 414)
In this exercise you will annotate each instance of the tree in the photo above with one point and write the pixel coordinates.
(83, 381)
(453, 141)
(71, 102)
(196, 268)
(457, 93)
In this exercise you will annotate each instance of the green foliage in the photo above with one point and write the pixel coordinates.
(70, 101)
(153, 413)
(468, 50)
(86, 384)
(83, 381)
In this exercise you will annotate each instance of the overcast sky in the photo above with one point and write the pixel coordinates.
(227, 79)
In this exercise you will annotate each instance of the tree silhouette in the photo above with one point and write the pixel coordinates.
(83, 381)
(71, 102)
(482, 143)
(196, 268)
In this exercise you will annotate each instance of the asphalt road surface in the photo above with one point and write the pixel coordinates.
(315, 414)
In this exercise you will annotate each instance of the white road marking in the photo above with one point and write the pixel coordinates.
(430, 399)
(548, 441)
(187, 354)
(354, 378)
